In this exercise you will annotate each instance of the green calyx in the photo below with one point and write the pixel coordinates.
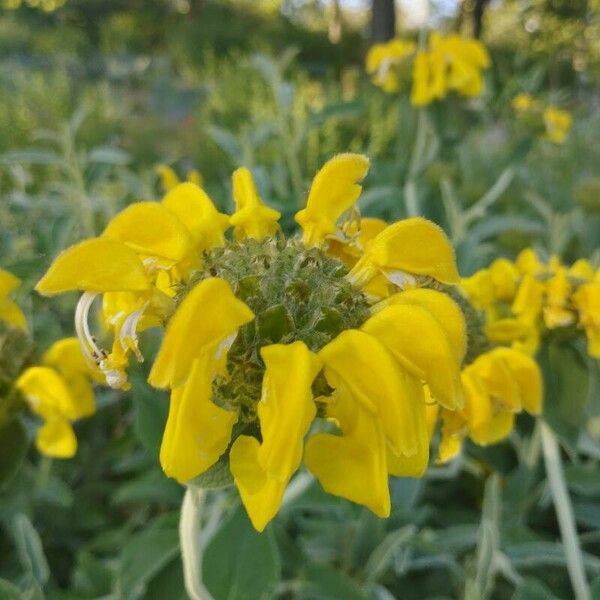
(296, 293)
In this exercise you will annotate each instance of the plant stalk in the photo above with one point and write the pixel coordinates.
(564, 513)
(192, 546)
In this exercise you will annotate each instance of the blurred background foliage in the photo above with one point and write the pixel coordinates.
(94, 94)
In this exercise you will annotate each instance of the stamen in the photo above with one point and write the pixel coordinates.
(225, 345)
(128, 333)
(86, 340)
(401, 279)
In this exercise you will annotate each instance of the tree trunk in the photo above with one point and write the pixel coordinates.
(478, 12)
(383, 20)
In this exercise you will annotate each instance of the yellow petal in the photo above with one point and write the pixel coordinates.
(419, 343)
(415, 246)
(198, 431)
(56, 439)
(260, 494)
(498, 381)
(286, 408)
(47, 393)
(352, 465)
(334, 190)
(479, 289)
(580, 269)
(252, 219)
(357, 365)
(408, 466)
(421, 93)
(525, 371)
(504, 277)
(65, 357)
(95, 265)
(192, 206)
(528, 263)
(529, 298)
(208, 315)
(168, 177)
(8, 283)
(496, 429)
(12, 314)
(447, 313)
(453, 432)
(151, 230)
(503, 331)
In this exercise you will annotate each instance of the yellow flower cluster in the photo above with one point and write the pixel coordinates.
(338, 335)
(556, 123)
(383, 61)
(59, 391)
(45, 5)
(497, 385)
(523, 299)
(10, 312)
(449, 64)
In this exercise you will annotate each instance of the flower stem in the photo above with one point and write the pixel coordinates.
(191, 543)
(564, 513)
(411, 196)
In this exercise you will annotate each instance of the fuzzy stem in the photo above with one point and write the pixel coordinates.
(191, 543)
(564, 513)
(411, 195)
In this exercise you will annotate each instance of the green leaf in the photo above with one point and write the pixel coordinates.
(146, 554)
(168, 583)
(542, 554)
(532, 589)
(383, 555)
(152, 486)
(13, 447)
(8, 591)
(587, 513)
(151, 409)
(240, 563)
(566, 385)
(325, 583)
(92, 576)
(29, 548)
(108, 155)
(583, 480)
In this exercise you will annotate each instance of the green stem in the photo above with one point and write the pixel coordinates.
(478, 210)
(411, 196)
(191, 543)
(564, 513)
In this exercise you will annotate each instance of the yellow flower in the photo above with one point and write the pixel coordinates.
(497, 385)
(521, 301)
(450, 63)
(556, 310)
(404, 249)
(268, 338)
(524, 103)
(59, 392)
(262, 470)
(142, 255)
(558, 124)
(10, 312)
(251, 219)
(383, 60)
(334, 190)
(587, 301)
